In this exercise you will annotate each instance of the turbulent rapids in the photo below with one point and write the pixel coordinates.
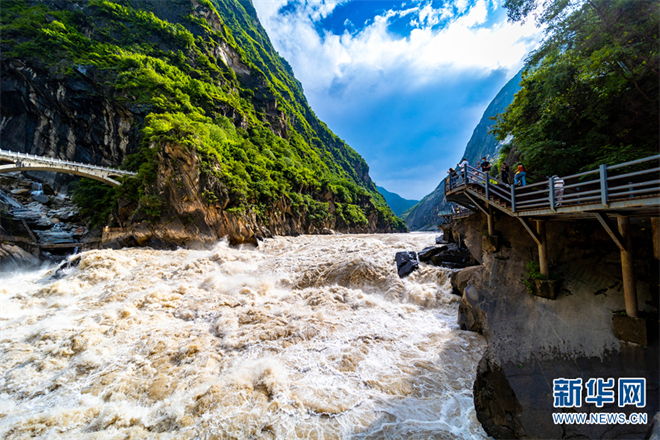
(312, 337)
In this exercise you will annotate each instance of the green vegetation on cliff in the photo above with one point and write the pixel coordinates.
(590, 92)
(202, 75)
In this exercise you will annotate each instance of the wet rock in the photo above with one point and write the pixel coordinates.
(532, 341)
(41, 198)
(6, 199)
(54, 237)
(12, 256)
(122, 242)
(453, 257)
(20, 191)
(327, 231)
(427, 253)
(440, 240)
(60, 199)
(26, 214)
(65, 267)
(496, 403)
(406, 262)
(470, 316)
(470, 275)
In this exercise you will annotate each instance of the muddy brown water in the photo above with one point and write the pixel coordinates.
(312, 337)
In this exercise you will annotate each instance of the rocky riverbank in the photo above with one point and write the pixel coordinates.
(533, 340)
(37, 223)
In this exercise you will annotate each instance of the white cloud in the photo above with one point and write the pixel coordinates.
(402, 102)
(428, 54)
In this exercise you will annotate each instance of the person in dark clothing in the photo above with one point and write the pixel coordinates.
(484, 165)
(504, 173)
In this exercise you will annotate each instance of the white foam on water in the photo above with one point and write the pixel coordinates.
(308, 337)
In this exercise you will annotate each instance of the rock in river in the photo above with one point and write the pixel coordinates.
(406, 262)
(427, 253)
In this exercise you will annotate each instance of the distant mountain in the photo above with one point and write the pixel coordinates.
(425, 213)
(397, 203)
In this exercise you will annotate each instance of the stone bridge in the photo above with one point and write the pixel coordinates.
(29, 162)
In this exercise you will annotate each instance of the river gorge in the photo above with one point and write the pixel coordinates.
(300, 337)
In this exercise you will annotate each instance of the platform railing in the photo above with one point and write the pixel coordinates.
(607, 184)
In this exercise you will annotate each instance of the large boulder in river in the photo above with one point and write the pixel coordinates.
(453, 257)
(427, 253)
(406, 262)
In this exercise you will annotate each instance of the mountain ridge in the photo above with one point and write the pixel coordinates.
(397, 203)
(424, 215)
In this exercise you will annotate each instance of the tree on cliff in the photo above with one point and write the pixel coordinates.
(590, 92)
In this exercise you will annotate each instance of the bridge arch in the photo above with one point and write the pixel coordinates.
(27, 162)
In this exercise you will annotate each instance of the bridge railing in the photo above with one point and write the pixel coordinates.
(52, 160)
(607, 184)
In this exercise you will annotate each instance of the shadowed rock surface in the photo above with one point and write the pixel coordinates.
(533, 340)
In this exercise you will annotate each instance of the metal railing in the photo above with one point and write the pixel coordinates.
(454, 213)
(605, 185)
(53, 161)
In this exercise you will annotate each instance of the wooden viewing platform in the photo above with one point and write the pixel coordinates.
(630, 189)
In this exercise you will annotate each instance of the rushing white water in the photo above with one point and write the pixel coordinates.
(312, 337)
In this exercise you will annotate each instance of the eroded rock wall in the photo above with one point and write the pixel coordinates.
(532, 340)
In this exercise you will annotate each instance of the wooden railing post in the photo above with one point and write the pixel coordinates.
(628, 268)
(543, 249)
(465, 174)
(603, 184)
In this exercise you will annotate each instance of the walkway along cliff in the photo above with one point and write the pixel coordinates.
(591, 312)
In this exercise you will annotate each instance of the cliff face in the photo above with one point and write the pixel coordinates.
(130, 84)
(533, 340)
(195, 221)
(65, 116)
(425, 213)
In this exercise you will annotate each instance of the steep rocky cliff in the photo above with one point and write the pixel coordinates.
(425, 213)
(533, 340)
(192, 96)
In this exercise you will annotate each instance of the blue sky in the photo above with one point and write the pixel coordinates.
(403, 83)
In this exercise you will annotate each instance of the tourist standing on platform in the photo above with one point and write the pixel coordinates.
(484, 165)
(521, 172)
(504, 173)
